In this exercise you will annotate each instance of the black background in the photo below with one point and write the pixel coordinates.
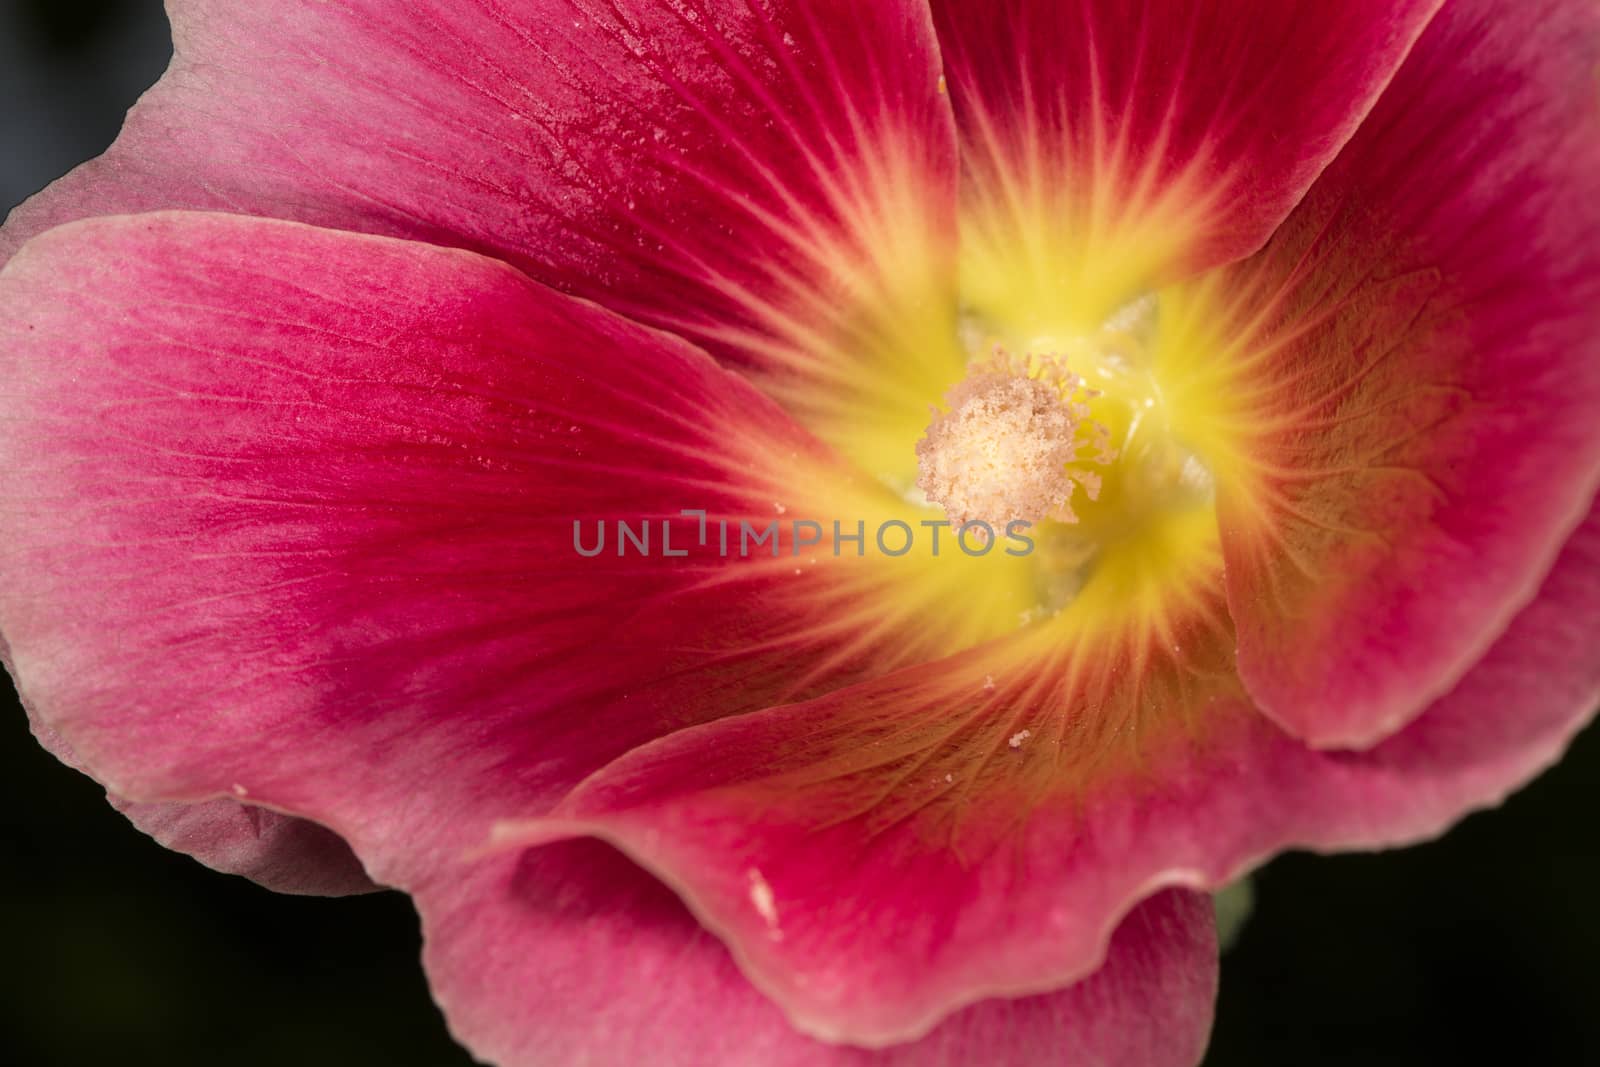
(1482, 947)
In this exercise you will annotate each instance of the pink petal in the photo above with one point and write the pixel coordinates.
(1234, 108)
(289, 517)
(280, 852)
(711, 166)
(642, 983)
(1251, 790)
(1422, 372)
(887, 853)
(288, 521)
(1508, 718)
(882, 855)
(869, 893)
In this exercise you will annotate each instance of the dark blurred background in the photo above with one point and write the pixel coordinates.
(1482, 947)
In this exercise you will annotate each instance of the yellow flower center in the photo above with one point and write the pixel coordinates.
(1022, 435)
(1061, 398)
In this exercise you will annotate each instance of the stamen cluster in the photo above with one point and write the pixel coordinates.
(1012, 443)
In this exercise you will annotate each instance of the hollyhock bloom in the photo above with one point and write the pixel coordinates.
(1262, 335)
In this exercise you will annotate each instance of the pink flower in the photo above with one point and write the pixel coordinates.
(1278, 321)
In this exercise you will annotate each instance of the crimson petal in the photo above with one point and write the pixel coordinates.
(1162, 119)
(888, 852)
(579, 925)
(290, 520)
(747, 175)
(1416, 395)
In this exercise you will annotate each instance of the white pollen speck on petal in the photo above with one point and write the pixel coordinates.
(764, 902)
(988, 681)
(1019, 737)
(949, 777)
(779, 508)
(239, 790)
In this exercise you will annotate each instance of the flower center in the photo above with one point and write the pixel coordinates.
(1079, 437)
(1015, 443)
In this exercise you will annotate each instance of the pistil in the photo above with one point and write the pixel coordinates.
(1014, 443)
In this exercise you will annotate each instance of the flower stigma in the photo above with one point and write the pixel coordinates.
(1014, 444)
(1071, 432)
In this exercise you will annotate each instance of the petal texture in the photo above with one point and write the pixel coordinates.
(292, 517)
(291, 523)
(579, 925)
(885, 853)
(279, 852)
(775, 181)
(1417, 377)
(1112, 145)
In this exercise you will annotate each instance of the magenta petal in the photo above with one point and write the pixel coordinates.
(857, 893)
(1418, 429)
(869, 895)
(570, 954)
(699, 165)
(1236, 106)
(289, 517)
(1254, 790)
(290, 521)
(1510, 717)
